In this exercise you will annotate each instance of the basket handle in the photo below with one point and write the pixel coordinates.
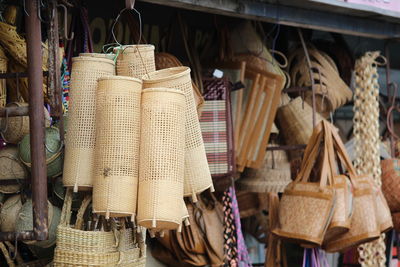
(66, 209)
(79, 217)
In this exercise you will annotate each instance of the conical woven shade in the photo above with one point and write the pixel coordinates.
(197, 172)
(273, 176)
(117, 146)
(81, 138)
(162, 152)
(135, 60)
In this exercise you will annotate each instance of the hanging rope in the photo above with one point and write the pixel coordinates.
(366, 135)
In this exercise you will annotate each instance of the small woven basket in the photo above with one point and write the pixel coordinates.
(116, 168)
(11, 168)
(162, 155)
(9, 213)
(54, 152)
(81, 138)
(391, 183)
(197, 171)
(15, 128)
(3, 69)
(24, 222)
(135, 60)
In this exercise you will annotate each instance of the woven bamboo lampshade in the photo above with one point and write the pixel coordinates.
(197, 171)
(162, 152)
(117, 146)
(135, 60)
(81, 138)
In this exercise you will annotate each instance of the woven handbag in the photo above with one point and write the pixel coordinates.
(217, 131)
(116, 168)
(135, 60)
(306, 207)
(391, 183)
(197, 172)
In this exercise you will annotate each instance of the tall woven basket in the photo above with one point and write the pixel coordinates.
(3, 68)
(80, 142)
(197, 171)
(117, 146)
(162, 153)
(135, 60)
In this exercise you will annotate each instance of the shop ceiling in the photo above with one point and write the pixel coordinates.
(370, 18)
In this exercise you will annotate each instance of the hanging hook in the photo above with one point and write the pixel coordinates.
(66, 37)
(40, 4)
(130, 4)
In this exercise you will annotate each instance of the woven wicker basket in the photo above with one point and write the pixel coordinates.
(98, 55)
(15, 128)
(135, 60)
(11, 168)
(54, 152)
(116, 168)
(81, 138)
(391, 182)
(9, 213)
(3, 68)
(197, 172)
(24, 222)
(162, 152)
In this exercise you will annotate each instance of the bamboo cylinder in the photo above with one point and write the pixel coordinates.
(135, 60)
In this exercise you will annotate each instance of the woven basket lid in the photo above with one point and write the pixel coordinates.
(11, 168)
(24, 222)
(9, 213)
(53, 149)
(273, 176)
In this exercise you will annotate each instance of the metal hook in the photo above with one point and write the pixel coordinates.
(40, 4)
(69, 38)
(24, 4)
(117, 19)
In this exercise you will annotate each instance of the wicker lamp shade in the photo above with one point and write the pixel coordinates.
(162, 153)
(81, 138)
(15, 128)
(135, 60)
(3, 68)
(197, 171)
(11, 168)
(116, 168)
(9, 213)
(53, 148)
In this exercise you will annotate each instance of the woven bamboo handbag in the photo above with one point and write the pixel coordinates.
(81, 138)
(306, 207)
(135, 60)
(162, 157)
(197, 172)
(217, 131)
(391, 183)
(116, 168)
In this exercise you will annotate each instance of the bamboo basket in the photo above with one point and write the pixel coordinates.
(162, 153)
(11, 168)
(197, 172)
(53, 148)
(81, 138)
(15, 128)
(116, 168)
(135, 60)
(24, 222)
(3, 69)
(9, 213)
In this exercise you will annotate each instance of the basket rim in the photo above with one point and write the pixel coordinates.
(143, 47)
(121, 78)
(94, 59)
(165, 74)
(162, 89)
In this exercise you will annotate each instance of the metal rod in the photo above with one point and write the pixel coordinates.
(17, 75)
(14, 111)
(36, 122)
(303, 44)
(286, 148)
(12, 236)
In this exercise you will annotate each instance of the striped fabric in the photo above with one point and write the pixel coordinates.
(213, 123)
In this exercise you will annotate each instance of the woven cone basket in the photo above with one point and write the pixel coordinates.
(197, 171)
(135, 60)
(273, 176)
(162, 153)
(9, 213)
(116, 168)
(11, 168)
(81, 138)
(15, 128)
